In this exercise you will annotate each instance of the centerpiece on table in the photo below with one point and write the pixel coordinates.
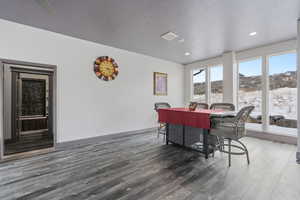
(193, 106)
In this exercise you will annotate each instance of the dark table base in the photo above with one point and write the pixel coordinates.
(189, 137)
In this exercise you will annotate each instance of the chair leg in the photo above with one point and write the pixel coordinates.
(217, 143)
(222, 143)
(247, 154)
(246, 151)
(158, 130)
(242, 148)
(229, 152)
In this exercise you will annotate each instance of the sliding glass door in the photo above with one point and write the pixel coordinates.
(250, 87)
(283, 90)
(270, 86)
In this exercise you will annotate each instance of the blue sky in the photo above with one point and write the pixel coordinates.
(277, 64)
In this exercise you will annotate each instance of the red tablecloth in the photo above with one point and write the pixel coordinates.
(183, 116)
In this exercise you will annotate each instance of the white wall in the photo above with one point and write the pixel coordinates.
(229, 84)
(88, 106)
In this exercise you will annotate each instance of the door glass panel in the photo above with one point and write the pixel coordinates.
(33, 97)
(250, 88)
(34, 103)
(283, 90)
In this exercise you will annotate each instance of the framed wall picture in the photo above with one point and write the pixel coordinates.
(160, 85)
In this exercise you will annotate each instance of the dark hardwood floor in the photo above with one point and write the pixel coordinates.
(142, 167)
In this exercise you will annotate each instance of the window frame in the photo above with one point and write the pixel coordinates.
(207, 69)
(192, 81)
(262, 84)
(267, 57)
(210, 89)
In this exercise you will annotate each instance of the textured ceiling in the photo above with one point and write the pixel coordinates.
(209, 27)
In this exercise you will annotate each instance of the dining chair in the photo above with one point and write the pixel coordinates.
(162, 126)
(200, 105)
(232, 129)
(222, 106)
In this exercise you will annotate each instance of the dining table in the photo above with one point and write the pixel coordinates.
(189, 129)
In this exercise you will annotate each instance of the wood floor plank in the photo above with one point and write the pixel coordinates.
(140, 166)
(288, 187)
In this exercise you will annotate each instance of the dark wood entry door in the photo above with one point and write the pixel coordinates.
(31, 112)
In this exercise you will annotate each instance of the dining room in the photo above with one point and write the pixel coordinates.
(149, 99)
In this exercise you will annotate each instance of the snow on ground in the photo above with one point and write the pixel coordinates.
(283, 101)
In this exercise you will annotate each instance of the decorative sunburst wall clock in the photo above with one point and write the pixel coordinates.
(106, 68)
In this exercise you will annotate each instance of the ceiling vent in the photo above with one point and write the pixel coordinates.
(169, 36)
(45, 4)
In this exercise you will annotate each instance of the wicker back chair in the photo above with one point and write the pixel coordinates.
(162, 126)
(160, 105)
(222, 106)
(232, 129)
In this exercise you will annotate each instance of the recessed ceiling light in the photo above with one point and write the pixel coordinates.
(169, 36)
(252, 33)
(187, 53)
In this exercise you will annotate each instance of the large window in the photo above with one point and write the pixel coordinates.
(283, 90)
(267, 82)
(216, 84)
(203, 76)
(281, 71)
(199, 84)
(250, 87)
